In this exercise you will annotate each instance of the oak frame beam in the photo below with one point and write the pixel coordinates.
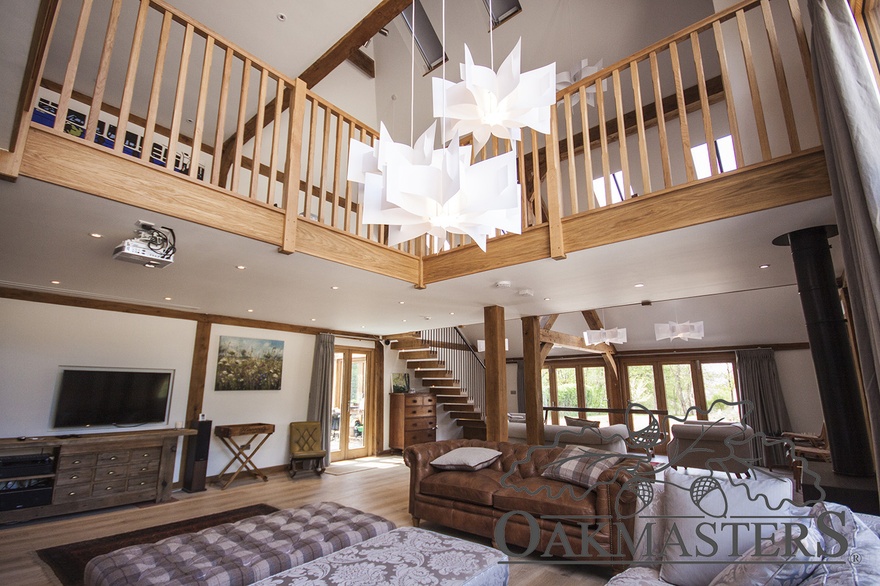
(496, 374)
(571, 342)
(531, 333)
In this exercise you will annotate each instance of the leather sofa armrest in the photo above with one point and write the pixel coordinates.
(618, 504)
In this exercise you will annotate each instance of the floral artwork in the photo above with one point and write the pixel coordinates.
(249, 364)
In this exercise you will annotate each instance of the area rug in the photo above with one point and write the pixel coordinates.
(69, 561)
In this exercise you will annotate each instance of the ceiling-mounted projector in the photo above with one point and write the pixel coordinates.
(151, 247)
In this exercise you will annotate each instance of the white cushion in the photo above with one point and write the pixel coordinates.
(861, 560)
(699, 511)
(466, 459)
(580, 465)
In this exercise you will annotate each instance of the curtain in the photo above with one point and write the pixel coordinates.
(321, 388)
(759, 384)
(849, 115)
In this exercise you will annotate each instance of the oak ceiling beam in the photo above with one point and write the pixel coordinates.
(594, 323)
(377, 19)
(571, 342)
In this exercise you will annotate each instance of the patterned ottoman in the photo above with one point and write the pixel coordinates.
(403, 557)
(240, 553)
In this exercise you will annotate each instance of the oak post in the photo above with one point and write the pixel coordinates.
(531, 329)
(198, 372)
(496, 374)
(292, 167)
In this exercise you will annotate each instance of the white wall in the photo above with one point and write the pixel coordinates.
(276, 407)
(800, 389)
(37, 339)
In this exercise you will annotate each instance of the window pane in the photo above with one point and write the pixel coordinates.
(336, 412)
(595, 394)
(566, 392)
(357, 401)
(718, 383)
(679, 389)
(545, 388)
(641, 391)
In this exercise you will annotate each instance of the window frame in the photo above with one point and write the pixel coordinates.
(578, 364)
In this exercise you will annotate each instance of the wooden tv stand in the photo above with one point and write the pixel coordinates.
(91, 471)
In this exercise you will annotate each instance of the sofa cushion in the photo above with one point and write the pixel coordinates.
(466, 459)
(531, 495)
(578, 422)
(580, 465)
(473, 487)
(860, 563)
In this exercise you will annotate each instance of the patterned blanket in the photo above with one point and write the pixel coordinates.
(240, 553)
(403, 557)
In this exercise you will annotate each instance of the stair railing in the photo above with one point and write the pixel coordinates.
(462, 360)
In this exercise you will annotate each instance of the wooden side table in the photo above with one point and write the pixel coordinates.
(228, 433)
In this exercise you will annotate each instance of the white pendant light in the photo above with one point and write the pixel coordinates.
(609, 336)
(581, 71)
(684, 331)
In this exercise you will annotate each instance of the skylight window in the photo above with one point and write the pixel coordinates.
(426, 37)
(501, 10)
(724, 155)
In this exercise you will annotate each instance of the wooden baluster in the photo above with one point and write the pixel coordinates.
(728, 95)
(524, 202)
(588, 148)
(72, 65)
(346, 221)
(704, 104)
(239, 130)
(258, 134)
(137, 42)
(325, 145)
(177, 114)
(337, 170)
(640, 125)
(554, 189)
(221, 118)
(781, 81)
(753, 85)
(536, 180)
(199, 128)
(603, 141)
(310, 159)
(690, 173)
(103, 71)
(276, 135)
(292, 166)
(569, 143)
(621, 137)
(804, 48)
(661, 121)
(155, 88)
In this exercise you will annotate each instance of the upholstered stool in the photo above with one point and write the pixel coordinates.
(238, 553)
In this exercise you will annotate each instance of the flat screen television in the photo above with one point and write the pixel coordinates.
(123, 397)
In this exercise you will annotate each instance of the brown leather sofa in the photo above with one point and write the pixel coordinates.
(475, 501)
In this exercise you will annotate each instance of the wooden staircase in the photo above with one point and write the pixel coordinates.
(442, 382)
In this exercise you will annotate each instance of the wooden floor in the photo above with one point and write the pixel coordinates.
(378, 485)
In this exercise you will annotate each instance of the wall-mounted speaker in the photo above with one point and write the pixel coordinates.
(196, 470)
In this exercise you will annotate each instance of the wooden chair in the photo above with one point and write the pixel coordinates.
(305, 446)
(809, 446)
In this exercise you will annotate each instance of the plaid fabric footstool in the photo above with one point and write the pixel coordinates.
(240, 553)
(404, 557)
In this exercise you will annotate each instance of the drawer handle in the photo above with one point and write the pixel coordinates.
(142, 483)
(71, 494)
(112, 458)
(74, 477)
(77, 461)
(144, 469)
(111, 473)
(109, 488)
(145, 456)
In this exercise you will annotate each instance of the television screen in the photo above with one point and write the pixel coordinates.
(120, 397)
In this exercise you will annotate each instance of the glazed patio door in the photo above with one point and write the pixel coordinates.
(350, 421)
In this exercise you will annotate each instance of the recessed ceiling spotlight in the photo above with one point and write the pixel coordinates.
(55, 282)
(404, 321)
(167, 299)
(281, 16)
(401, 302)
(451, 313)
(240, 267)
(335, 287)
(639, 285)
(363, 327)
(96, 235)
(314, 319)
(546, 299)
(250, 310)
(765, 266)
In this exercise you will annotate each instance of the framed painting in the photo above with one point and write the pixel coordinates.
(249, 364)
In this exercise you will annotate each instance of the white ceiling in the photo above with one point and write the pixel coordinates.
(707, 272)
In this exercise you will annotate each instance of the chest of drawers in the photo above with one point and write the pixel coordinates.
(413, 419)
